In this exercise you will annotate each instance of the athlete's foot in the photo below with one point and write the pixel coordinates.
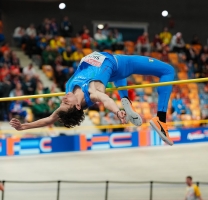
(161, 129)
(131, 114)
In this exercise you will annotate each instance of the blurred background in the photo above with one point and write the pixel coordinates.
(41, 45)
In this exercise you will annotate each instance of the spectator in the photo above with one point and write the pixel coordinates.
(100, 39)
(111, 41)
(165, 36)
(29, 70)
(41, 43)
(143, 44)
(119, 40)
(67, 56)
(6, 58)
(41, 90)
(17, 91)
(177, 43)
(191, 54)
(55, 100)
(15, 70)
(18, 35)
(157, 43)
(86, 39)
(66, 27)
(192, 190)
(54, 27)
(14, 59)
(47, 32)
(191, 69)
(31, 31)
(1, 187)
(5, 47)
(29, 85)
(118, 36)
(41, 27)
(178, 104)
(48, 56)
(57, 44)
(77, 55)
(106, 120)
(16, 109)
(4, 72)
(40, 109)
(165, 57)
(105, 30)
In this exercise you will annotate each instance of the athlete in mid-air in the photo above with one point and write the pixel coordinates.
(87, 86)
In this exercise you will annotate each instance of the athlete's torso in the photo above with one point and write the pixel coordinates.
(99, 67)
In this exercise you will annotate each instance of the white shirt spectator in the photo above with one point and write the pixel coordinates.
(29, 70)
(177, 41)
(99, 36)
(19, 32)
(31, 31)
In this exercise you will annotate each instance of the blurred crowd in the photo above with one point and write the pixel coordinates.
(58, 50)
(17, 80)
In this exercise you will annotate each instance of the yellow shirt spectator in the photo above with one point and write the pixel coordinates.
(165, 36)
(67, 54)
(53, 44)
(192, 192)
(77, 55)
(57, 42)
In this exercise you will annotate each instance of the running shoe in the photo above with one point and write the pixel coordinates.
(131, 114)
(161, 129)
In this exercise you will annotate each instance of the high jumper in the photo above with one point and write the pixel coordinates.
(87, 86)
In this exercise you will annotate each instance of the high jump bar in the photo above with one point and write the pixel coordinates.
(198, 80)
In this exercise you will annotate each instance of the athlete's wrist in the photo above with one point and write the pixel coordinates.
(24, 126)
(117, 113)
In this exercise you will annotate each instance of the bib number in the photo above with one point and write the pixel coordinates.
(95, 59)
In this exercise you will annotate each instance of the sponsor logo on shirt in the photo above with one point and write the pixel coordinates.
(95, 59)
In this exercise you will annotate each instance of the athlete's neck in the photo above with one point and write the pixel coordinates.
(80, 96)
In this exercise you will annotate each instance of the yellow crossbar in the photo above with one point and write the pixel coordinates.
(108, 89)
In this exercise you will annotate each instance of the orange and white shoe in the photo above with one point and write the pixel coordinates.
(131, 114)
(161, 129)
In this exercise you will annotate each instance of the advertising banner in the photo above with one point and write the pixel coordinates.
(103, 141)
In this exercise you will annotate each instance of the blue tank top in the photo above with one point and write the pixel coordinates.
(89, 70)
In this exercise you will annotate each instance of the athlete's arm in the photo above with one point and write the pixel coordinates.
(15, 123)
(108, 103)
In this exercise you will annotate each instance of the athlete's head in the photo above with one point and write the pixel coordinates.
(70, 112)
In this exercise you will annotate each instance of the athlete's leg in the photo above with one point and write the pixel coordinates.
(121, 83)
(149, 66)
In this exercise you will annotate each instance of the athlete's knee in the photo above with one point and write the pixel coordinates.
(171, 70)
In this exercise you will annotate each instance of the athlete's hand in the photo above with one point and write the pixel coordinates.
(15, 123)
(122, 116)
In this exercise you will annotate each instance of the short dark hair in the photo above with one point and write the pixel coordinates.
(71, 117)
(189, 177)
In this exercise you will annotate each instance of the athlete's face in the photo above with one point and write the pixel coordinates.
(69, 101)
